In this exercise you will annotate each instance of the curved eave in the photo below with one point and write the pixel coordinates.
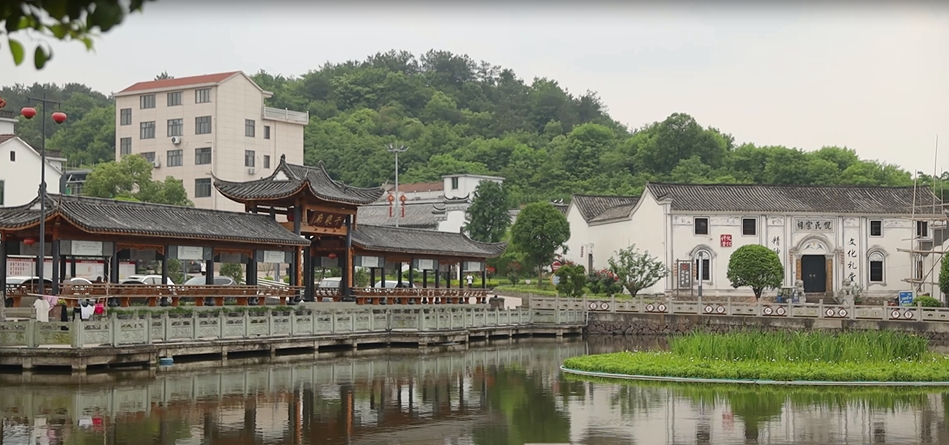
(243, 198)
(345, 189)
(411, 251)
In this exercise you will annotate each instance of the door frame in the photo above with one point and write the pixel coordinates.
(820, 262)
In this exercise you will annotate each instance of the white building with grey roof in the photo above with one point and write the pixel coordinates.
(879, 238)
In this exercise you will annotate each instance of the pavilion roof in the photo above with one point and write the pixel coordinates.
(423, 242)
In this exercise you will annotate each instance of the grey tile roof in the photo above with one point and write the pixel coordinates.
(593, 206)
(107, 216)
(299, 178)
(421, 215)
(422, 242)
(840, 200)
(619, 212)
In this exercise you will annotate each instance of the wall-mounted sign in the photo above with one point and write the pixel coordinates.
(230, 258)
(367, 261)
(325, 219)
(329, 262)
(86, 248)
(190, 253)
(684, 271)
(274, 257)
(474, 266)
(726, 240)
(813, 225)
(423, 264)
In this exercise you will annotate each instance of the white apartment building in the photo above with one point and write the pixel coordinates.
(825, 236)
(441, 206)
(191, 128)
(20, 166)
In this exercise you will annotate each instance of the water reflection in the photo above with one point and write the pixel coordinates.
(503, 394)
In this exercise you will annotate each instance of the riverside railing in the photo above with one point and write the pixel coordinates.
(146, 327)
(741, 307)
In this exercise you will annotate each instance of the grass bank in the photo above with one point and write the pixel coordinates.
(809, 356)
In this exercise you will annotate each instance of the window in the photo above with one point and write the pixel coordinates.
(147, 130)
(706, 268)
(202, 96)
(266, 161)
(701, 226)
(12, 156)
(922, 229)
(147, 101)
(176, 127)
(202, 125)
(202, 156)
(248, 158)
(876, 228)
(919, 268)
(202, 188)
(250, 128)
(1, 198)
(266, 131)
(149, 156)
(173, 158)
(876, 267)
(454, 183)
(174, 99)
(125, 116)
(749, 226)
(125, 146)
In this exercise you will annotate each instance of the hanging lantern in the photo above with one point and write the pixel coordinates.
(29, 241)
(59, 117)
(28, 112)
(332, 256)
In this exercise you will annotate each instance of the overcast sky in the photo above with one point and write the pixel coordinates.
(870, 78)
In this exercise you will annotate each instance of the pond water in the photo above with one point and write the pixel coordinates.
(503, 393)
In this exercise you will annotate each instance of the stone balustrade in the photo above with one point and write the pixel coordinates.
(148, 327)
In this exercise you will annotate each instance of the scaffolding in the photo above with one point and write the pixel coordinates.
(930, 230)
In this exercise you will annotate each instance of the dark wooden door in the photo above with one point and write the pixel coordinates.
(814, 273)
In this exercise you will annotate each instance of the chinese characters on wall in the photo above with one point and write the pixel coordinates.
(327, 220)
(851, 260)
(776, 245)
(813, 225)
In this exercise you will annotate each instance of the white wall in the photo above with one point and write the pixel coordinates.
(21, 178)
(466, 185)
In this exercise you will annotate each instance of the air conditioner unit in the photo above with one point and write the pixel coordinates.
(251, 171)
(156, 164)
(176, 140)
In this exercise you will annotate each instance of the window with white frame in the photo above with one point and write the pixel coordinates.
(250, 128)
(125, 116)
(202, 125)
(876, 261)
(125, 146)
(249, 158)
(202, 96)
(147, 101)
(266, 131)
(174, 98)
(149, 156)
(147, 130)
(202, 156)
(176, 127)
(266, 161)
(703, 260)
(173, 158)
(202, 188)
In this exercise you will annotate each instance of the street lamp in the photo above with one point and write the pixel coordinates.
(391, 148)
(58, 117)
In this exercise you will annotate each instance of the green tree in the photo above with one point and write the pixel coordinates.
(540, 230)
(234, 271)
(163, 76)
(573, 279)
(62, 20)
(755, 266)
(131, 179)
(636, 270)
(488, 214)
(944, 276)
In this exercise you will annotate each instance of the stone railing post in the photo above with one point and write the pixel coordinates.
(758, 312)
(148, 328)
(669, 301)
(886, 312)
(919, 311)
(270, 323)
(165, 324)
(419, 321)
(194, 324)
(700, 309)
(113, 324)
(612, 304)
(853, 309)
(77, 333)
(820, 308)
(31, 333)
(640, 305)
(246, 323)
(221, 322)
(728, 305)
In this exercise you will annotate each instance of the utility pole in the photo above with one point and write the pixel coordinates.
(391, 148)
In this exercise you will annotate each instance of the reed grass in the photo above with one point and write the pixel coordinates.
(852, 347)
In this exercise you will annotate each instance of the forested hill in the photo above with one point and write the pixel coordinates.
(457, 115)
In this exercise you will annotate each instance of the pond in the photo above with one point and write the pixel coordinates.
(510, 392)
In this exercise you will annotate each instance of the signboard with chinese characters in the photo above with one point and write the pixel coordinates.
(726, 240)
(684, 271)
(325, 219)
(851, 255)
(813, 225)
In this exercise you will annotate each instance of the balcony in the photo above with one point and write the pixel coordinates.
(284, 115)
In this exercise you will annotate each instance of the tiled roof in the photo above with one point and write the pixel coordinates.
(619, 212)
(417, 187)
(421, 216)
(6, 137)
(107, 216)
(298, 177)
(840, 200)
(593, 206)
(423, 242)
(178, 82)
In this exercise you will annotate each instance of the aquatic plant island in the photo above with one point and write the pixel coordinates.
(864, 358)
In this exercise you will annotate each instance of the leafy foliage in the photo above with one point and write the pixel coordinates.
(463, 116)
(234, 271)
(539, 231)
(61, 20)
(636, 270)
(604, 282)
(944, 277)
(755, 266)
(573, 280)
(176, 272)
(927, 301)
(488, 213)
(131, 179)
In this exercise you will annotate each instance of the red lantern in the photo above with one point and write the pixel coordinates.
(28, 112)
(59, 117)
(29, 241)
(332, 256)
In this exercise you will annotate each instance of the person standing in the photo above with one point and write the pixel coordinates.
(470, 280)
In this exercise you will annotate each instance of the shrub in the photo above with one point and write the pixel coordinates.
(927, 301)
